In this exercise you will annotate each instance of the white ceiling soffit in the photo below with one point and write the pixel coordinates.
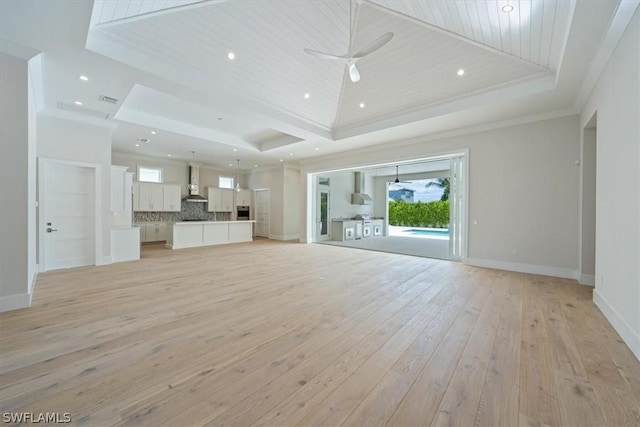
(106, 11)
(160, 110)
(271, 139)
(187, 43)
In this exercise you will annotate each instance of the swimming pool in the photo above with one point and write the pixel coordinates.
(444, 232)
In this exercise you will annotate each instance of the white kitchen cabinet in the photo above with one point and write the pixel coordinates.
(240, 232)
(150, 196)
(193, 234)
(171, 198)
(220, 199)
(125, 244)
(215, 234)
(153, 232)
(244, 197)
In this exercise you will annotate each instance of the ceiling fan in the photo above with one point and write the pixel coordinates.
(350, 58)
(397, 181)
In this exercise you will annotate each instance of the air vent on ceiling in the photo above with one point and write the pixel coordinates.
(107, 99)
(145, 140)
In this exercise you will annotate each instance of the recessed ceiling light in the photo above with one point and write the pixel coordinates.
(78, 103)
(137, 145)
(507, 8)
(230, 165)
(255, 166)
(282, 160)
(317, 149)
(231, 56)
(461, 72)
(153, 132)
(235, 149)
(290, 154)
(168, 155)
(306, 96)
(83, 78)
(362, 105)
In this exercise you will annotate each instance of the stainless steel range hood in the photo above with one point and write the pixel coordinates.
(193, 186)
(359, 197)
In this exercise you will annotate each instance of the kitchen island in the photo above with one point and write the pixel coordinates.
(191, 234)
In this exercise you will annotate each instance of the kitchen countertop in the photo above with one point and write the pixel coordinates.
(210, 222)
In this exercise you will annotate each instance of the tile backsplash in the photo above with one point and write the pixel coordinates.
(189, 210)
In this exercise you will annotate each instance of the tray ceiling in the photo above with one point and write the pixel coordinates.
(187, 42)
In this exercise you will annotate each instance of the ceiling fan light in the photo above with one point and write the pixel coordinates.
(353, 73)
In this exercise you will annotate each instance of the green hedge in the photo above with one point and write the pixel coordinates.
(430, 214)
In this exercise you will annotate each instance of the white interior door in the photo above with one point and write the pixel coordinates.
(68, 215)
(262, 213)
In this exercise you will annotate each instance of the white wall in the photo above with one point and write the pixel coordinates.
(523, 191)
(616, 99)
(17, 184)
(70, 140)
(291, 208)
(177, 171)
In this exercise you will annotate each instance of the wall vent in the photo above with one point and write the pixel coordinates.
(107, 99)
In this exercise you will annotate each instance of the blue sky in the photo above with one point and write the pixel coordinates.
(422, 194)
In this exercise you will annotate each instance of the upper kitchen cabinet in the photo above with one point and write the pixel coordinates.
(171, 196)
(244, 197)
(220, 199)
(149, 197)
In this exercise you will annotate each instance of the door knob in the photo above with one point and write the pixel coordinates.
(49, 230)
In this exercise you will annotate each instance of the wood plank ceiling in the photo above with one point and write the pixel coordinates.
(188, 42)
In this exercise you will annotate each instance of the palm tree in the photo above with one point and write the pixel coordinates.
(441, 183)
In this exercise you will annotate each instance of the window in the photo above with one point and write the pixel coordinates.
(149, 174)
(225, 182)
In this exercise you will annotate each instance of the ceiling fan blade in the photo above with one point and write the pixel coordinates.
(374, 45)
(324, 55)
(353, 72)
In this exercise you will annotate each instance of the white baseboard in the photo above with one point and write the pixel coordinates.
(15, 302)
(32, 284)
(284, 236)
(630, 337)
(105, 260)
(587, 279)
(524, 268)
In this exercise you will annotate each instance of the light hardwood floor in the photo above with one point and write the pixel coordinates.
(273, 333)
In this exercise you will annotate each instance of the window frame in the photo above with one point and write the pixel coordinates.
(150, 168)
(229, 179)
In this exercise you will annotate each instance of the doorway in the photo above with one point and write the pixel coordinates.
(263, 204)
(68, 215)
(588, 216)
(323, 210)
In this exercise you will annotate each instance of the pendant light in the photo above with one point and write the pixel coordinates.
(238, 176)
(397, 181)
